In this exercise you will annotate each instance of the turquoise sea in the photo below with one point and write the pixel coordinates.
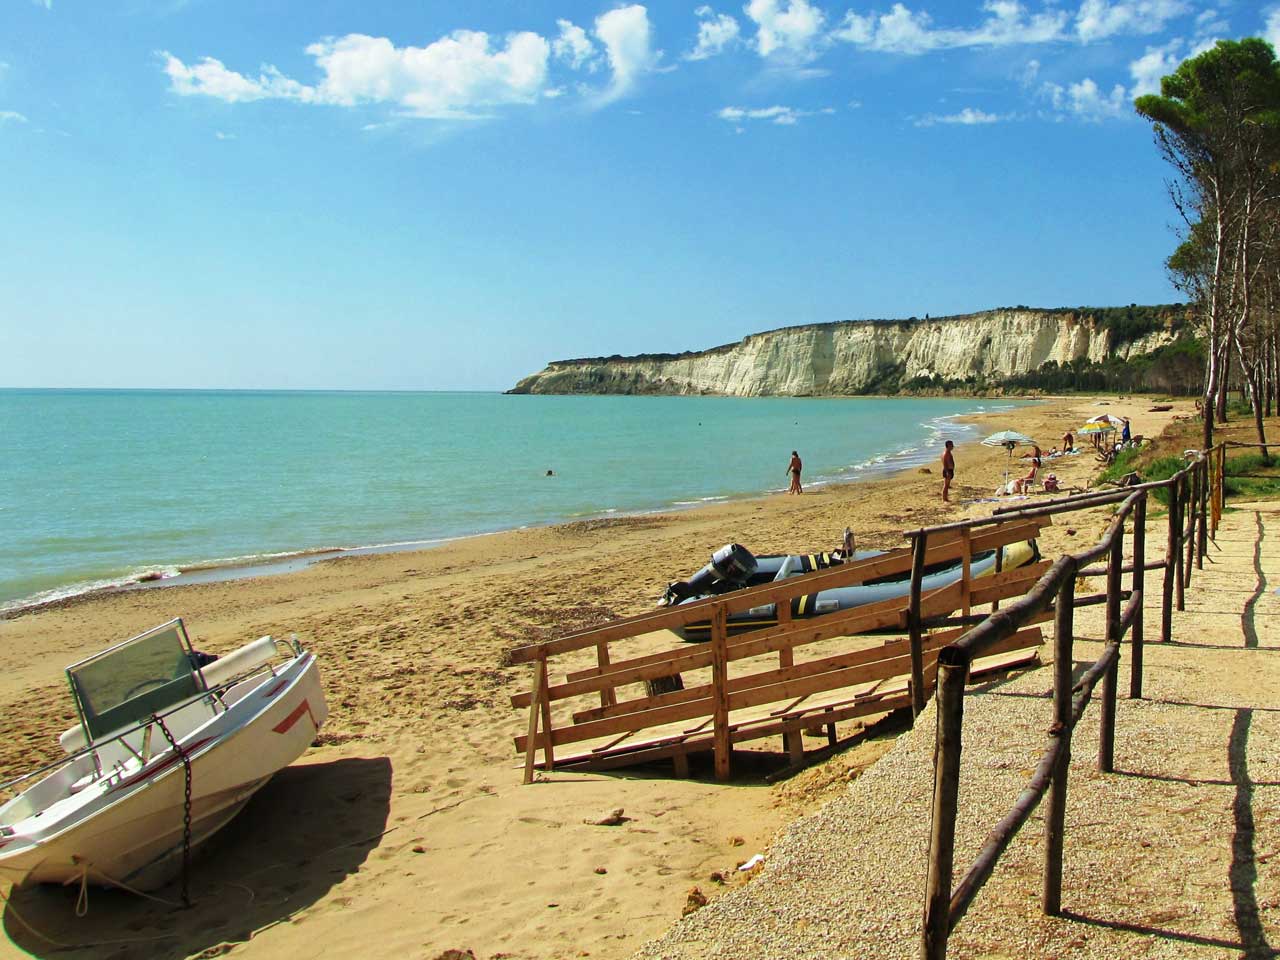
(104, 488)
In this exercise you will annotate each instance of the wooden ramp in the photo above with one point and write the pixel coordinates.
(777, 681)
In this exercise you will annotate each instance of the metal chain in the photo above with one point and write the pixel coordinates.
(186, 807)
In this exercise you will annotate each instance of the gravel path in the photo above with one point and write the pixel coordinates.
(1176, 854)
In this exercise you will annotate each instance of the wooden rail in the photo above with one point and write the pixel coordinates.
(734, 695)
(1195, 503)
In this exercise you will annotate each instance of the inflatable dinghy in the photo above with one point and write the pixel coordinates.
(734, 567)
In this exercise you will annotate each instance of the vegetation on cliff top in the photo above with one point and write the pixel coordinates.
(1125, 324)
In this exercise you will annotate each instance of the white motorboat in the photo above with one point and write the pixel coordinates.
(167, 751)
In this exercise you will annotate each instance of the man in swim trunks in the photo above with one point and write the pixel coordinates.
(948, 471)
(793, 468)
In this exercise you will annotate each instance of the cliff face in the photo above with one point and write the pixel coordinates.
(854, 357)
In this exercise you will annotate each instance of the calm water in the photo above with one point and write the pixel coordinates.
(100, 487)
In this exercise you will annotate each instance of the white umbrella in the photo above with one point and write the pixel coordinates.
(1114, 421)
(1007, 439)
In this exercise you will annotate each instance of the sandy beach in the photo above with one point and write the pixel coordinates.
(406, 830)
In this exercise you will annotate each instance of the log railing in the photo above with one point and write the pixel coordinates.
(1195, 503)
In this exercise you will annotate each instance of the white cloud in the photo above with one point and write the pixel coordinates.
(211, 78)
(224, 136)
(968, 117)
(11, 116)
(781, 116)
(716, 33)
(792, 33)
(625, 33)
(1152, 66)
(450, 78)
(1030, 72)
(574, 47)
(1086, 101)
(47, 4)
(1099, 19)
(903, 30)
(1271, 29)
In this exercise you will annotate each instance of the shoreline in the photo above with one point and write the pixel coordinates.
(277, 563)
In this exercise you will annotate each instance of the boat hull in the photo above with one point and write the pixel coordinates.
(846, 598)
(127, 826)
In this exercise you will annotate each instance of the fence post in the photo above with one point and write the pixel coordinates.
(1107, 711)
(1189, 529)
(913, 624)
(946, 790)
(1138, 587)
(539, 710)
(1202, 508)
(720, 690)
(1055, 817)
(1170, 567)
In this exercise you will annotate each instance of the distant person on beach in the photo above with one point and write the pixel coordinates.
(1125, 435)
(1023, 484)
(1068, 442)
(793, 470)
(948, 471)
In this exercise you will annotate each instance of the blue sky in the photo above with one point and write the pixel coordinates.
(425, 195)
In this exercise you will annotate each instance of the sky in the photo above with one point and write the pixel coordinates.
(446, 196)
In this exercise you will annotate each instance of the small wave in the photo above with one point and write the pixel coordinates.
(135, 577)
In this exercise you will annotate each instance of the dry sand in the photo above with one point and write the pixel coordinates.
(406, 830)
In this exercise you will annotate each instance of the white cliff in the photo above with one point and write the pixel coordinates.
(857, 356)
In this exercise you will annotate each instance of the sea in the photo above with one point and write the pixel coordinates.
(112, 489)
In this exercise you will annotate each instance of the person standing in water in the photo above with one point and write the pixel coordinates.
(793, 468)
(948, 471)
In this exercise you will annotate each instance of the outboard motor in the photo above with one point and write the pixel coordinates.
(730, 568)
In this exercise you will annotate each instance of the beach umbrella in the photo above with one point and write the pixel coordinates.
(1097, 428)
(1007, 439)
(1115, 422)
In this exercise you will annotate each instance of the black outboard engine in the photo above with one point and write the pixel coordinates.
(730, 568)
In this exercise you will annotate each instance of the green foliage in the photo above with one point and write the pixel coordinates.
(1126, 461)
(1249, 478)
(888, 379)
(1127, 324)
(1175, 368)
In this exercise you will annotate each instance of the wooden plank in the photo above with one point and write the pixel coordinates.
(535, 714)
(849, 574)
(639, 720)
(880, 652)
(720, 692)
(607, 696)
(870, 616)
(673, 638)
(1009, 583)
(689, 657)
(997, 534)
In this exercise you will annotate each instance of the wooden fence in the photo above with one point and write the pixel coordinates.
(1195, 497)
(755, 684)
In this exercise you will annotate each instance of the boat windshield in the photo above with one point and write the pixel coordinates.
(127, 683)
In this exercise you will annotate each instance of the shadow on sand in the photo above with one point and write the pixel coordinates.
(302, 834)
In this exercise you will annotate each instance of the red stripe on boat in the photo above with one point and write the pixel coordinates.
(276, 689)
(163, 765)
(285, 725)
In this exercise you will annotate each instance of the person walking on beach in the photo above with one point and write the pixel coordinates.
(793, 469)
(948, 471)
